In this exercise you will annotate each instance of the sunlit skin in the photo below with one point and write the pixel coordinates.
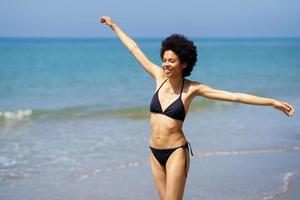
(167, 132)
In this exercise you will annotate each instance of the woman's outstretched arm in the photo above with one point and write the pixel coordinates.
(131, 45)
(210, 93)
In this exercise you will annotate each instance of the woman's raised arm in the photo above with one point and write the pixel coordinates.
(210, 93)
(134, 49)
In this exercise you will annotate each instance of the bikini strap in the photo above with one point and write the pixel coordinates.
(182, 86)
(190, 147)
(162, 84)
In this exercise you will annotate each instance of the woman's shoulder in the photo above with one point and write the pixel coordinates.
(192, 83)
(189, 85)
(193, 87)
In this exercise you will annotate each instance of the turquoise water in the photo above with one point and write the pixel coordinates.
(74, 112)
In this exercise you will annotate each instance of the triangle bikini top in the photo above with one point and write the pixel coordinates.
(175, 110)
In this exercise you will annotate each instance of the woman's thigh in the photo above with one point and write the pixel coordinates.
(159, 176)
(177, 169)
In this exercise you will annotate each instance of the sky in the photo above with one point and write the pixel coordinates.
(150, 18)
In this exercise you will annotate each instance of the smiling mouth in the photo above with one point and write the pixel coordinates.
(168, 71)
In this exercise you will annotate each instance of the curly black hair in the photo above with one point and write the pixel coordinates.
(183, 48)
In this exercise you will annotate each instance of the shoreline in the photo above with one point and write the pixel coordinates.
(291, 182)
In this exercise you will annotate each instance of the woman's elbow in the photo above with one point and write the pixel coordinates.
(133, 47)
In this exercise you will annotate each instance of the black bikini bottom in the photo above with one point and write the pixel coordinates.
(162, 155)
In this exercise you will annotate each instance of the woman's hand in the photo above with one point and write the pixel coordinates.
(106, 20)
(285, 107)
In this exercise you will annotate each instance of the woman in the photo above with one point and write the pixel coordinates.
(169, 155)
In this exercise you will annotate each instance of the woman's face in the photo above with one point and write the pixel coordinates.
(171, 64)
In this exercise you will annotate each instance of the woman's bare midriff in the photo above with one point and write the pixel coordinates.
(166, 132)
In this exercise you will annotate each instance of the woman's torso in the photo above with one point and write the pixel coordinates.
(166, 130)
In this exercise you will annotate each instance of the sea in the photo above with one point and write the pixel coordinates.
(74, 120)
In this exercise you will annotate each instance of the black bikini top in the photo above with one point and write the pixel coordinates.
(175, 110)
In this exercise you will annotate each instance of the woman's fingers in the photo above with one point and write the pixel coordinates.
(288, 109)
(102, 20)
(106, 20)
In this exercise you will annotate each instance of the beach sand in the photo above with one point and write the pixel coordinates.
(230, 176)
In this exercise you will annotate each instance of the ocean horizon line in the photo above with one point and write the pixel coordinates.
(238, 38)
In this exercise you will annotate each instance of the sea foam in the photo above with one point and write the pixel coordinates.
(18, 114)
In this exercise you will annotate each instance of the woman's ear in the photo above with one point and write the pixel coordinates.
(184, 65)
